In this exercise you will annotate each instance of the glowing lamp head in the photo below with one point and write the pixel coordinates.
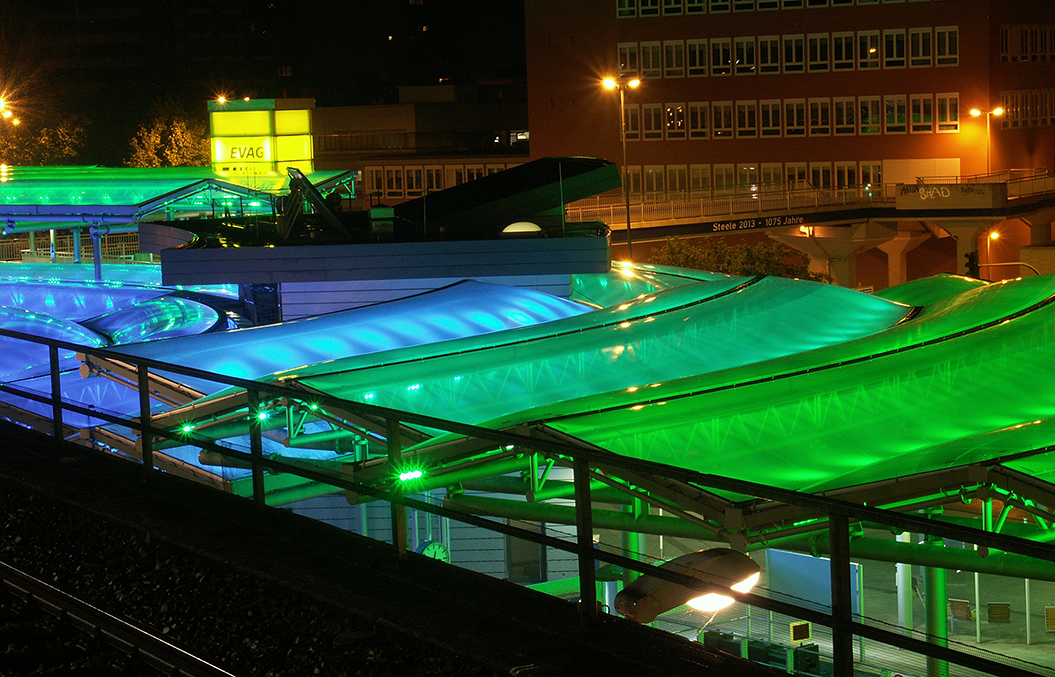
(975, 112)
(716, 570)
(998, 111)
(609, 83)
(632, 84)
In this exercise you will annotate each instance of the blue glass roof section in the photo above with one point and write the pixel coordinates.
(433, 318)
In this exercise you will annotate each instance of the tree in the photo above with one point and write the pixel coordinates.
(23, 146)
(716, 255)
(172, 138)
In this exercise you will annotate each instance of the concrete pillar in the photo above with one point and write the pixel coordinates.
(834, 247)
(906, 596)
(634, 541)
(937, 599)
(966, 232)
(1040, 227)
(897, 251)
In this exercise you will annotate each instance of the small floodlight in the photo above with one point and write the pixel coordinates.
(717, 570)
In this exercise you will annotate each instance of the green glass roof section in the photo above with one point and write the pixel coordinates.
(697, 328)
(929, 290)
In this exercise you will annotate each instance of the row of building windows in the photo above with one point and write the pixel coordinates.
(415, 181)
(702, 181)
(1027, 108)
(791, 118)
(1027, 43)
(802, 53)
(629, 9)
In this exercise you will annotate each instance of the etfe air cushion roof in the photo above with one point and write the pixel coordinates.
(919, 396)
(463, 309)
(690, 330)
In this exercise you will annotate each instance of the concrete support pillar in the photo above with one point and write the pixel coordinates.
(1040, 227)
(966, 232)
(832, 248)
(906, 596)
(937, 599)
(634, 541)
(76, 245)
(897, 251)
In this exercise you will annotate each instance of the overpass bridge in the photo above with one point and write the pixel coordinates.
(832, 225)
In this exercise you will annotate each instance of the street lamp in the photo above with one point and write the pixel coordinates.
(988, 113)
(622, 83)
(715, 572)
(993, 235)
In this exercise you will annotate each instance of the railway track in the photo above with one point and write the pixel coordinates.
(152, 650)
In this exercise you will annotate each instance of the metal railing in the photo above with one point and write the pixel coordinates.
(261, 401)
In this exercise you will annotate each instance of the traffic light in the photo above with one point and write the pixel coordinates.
(972, 264)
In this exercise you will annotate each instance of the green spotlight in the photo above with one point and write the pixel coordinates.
(409, 475)
(262, 416)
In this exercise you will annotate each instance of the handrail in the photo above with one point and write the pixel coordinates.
(581, 457)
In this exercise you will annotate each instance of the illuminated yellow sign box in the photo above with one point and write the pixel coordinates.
(242, 149)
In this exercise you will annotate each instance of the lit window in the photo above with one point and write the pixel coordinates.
(675, 123)
(870, 115)
(867, 50)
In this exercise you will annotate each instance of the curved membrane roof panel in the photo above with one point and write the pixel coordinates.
(155, 319)
(929, 290)
(73, 301)
(915, 398)
(628, 281)
(464, 309)
(693, 329)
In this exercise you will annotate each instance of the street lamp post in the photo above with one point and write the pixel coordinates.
(993, 235)
(988, 114)
(622, 83)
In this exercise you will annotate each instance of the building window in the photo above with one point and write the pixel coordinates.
(675, 121)
(870, 115)
(696, 53)
(819, 52)
(743, 5)
(375, 180)
(821, 175)
(677, 179)
(837, 3)
(473, 172)
(674, 59)
(769, 116)
(632, 119)
(394, 182)
(795, 174)
(700, 180)
(648, 7)
(433, 179)
(719, 6)
(843, 51)
(947, 43)
(745, 56)
(652, 122)
(654, 180)
(414, 181)
(794, 117)
(894, 48)
(626, 9)
(791, 4)
(628, 58)
(794, 55)
(772, 176)
(724, 180)
(769, 54)
(768, 4)
(672, 7)
(845, 119)
(921, 53)
(721, 56)
(872, 175)
(747, 178)
(867, 50)
(699, 117)
(634, 175)
(722, 119)
(895, 114)
(746, 119)
(922, 113)
(845, 174)
(948, 112)
(695, 6)
(816, 3)
(820, 117)
(651, 60)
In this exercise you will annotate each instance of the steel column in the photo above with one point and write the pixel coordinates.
(584, 538)
(842, 604)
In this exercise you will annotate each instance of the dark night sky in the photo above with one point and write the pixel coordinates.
(108, 61)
